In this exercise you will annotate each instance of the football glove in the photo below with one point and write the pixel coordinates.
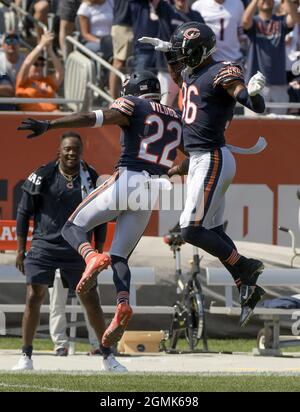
(256, 84)
(159, 45)
(38, 127)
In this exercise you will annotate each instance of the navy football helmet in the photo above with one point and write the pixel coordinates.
(192, 43)
(142, 84)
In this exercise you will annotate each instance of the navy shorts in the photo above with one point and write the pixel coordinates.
(40, 269)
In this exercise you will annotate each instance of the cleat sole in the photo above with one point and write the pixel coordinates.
(87, 282)
(114, 336)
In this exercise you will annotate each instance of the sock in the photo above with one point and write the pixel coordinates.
(233, 259)
(87, 251)
(27, 350)
(121, 275)
(75, 235)
(231, 269)
(123, 297)
(106, 351)
(208, 240)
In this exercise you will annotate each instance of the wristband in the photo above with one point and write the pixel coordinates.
(99, 118)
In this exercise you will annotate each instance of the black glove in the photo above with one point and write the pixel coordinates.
(37, 126)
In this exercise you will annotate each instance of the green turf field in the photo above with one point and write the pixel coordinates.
(28, 382)
(215, 345)
(103, 382)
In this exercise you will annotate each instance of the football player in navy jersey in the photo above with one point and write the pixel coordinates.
(210, 91)
(151, 133)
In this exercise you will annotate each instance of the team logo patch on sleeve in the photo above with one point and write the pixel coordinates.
(123, 105)
(228, 75)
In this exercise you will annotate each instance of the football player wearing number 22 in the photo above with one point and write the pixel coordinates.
(151, 134)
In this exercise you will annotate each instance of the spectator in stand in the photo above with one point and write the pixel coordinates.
(11, 59)
(31, 81)
(39, 9)
(6, 90)
(292, 42)
(67, 11)
(122, 38)
(294, 94)
(95, 19)
(224, 17)
(145, 22)
(267, 32)
(170, 17)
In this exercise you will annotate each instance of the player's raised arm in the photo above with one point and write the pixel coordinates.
(249, 96)
(231, 78)
(95, 118)
(175, 66)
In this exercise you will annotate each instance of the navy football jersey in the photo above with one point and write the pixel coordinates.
(207, 107)
(152, 137)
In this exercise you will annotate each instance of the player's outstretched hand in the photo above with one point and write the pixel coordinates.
(38, 127)
(256, 84)
(159, 45)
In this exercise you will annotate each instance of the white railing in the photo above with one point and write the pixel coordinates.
(275, 105)
(96, 58)
(23, 100)
(19, 10)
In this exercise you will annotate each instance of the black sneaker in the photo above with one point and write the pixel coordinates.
(249, 270)
(61, 352)
(247, 309)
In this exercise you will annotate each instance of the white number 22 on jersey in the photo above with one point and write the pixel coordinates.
(147, 141)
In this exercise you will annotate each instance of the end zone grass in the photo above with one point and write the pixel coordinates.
(36, 382)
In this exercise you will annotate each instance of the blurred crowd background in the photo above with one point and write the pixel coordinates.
(36, 55)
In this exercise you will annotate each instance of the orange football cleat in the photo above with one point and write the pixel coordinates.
(95, 265)
(118, 325)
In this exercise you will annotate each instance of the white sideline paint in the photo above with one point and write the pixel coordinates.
(202, 363)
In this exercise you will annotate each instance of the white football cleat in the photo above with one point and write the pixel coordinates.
(110, 364)
(24, 364)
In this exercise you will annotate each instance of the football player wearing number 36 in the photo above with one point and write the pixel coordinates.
(210, 91)
(151, 133)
